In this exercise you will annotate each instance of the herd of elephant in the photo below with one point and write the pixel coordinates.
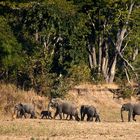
(66, 108)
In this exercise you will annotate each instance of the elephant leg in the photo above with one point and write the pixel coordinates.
(24, 114)
(134, 117)
(77, 118)
(71, 118)
(50, 116)
(67, 116)
(59, 111)
(42, 116)
(56, 113)
(64, 116)
(97, 119)
(82, 118)
(91, 118)
(88, 118)
(60, 115)
(32, 115)
(129, 116)
(18, 115)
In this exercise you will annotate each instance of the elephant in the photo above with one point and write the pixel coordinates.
(91, 113)
(133, 110)
(65, 108)
(46, 114)
(22, 109)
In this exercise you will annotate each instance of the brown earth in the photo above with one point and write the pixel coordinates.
(68, 130)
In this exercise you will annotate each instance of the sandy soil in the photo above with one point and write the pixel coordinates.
(68, 130)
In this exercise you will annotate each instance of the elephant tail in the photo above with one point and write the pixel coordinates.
(81, 112)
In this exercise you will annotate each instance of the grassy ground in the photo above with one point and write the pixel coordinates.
(110, 128)
(67, 130)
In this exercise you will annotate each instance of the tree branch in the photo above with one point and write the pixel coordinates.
(128, 64)
(124, 46)
(126, 73)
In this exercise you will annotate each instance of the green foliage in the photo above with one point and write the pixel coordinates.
(126, 91)
(79, 73)
(10, 52)
(41, 40)
(60, 87)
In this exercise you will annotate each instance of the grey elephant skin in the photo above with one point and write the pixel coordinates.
(46, 114)
(91, 113)
(22, 109)
(63, 107)
(133, 110)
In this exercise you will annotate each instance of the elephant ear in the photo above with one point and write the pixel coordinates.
(56, 104)
(21, 104)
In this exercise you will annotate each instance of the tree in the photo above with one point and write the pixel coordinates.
(10, 52)
(109, 23)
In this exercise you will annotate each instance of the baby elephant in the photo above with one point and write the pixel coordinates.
(91, 113)
(46, 114)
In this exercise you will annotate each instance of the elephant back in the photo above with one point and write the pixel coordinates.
(65, 106)
(136, 109)
(28, 108)
(92, 110)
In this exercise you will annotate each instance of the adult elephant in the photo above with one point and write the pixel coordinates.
(64, 107)
(22, 109)
(91, 113)
(133, 110)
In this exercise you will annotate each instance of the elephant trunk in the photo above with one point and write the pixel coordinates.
(81, 112)
(49, 105)
(77, 117)
(15, 110)
(122, 115)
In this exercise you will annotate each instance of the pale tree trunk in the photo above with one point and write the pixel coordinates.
(100, 55)
(36, 36)
(135, 53)
(112, 70)
(127, 74)
(92, 56)
(90, 61)
(118, 45)
(105, 60)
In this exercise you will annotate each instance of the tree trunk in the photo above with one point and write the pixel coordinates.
(92, 56)
(112, 70)
(36, 36)
(135, 53)
(90, 61)
(100, 55)
(118, 44)
(105, 60)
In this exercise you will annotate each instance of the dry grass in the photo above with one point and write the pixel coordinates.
(10, 95)
(98, 95)
(67, 130)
